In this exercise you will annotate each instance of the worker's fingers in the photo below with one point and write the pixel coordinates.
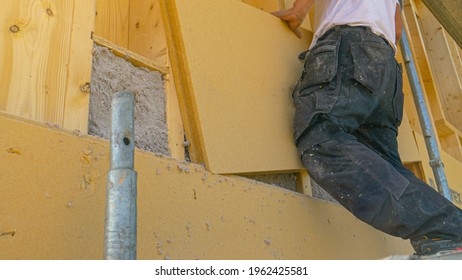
(291, 19)
(286, 15)
(279, 14)
(297, 32)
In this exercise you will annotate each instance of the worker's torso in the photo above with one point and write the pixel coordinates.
(379, 15)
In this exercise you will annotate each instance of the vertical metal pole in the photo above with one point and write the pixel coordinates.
(424, 118)
(120, 228)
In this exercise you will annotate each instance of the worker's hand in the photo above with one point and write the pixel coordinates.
(294, 16)
(293, 19)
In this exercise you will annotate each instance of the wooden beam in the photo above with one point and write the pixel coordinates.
(183, 84)
(452, 146)
(443, 67)
(419, 54)
(449, 14)
(134, 58)
(80, 61)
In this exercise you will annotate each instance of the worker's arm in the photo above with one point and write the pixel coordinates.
(398, 23)
(295, 15)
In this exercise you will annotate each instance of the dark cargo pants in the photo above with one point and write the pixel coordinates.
(349, 104)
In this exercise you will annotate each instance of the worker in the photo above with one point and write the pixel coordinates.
(348, 106)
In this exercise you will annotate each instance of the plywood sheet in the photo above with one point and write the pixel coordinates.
(241, 64)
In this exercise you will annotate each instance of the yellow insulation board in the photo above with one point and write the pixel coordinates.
(53, 202)
(241, 63)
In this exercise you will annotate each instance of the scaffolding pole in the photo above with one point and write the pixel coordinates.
(424, 118)
(120, 228)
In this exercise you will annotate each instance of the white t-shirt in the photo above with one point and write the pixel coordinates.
(379, 15)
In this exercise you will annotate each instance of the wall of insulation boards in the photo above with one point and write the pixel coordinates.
(45, 53)
(228, 73)
(57, 211)
(228, 76)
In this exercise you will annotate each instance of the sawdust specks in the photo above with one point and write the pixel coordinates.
(159, 245)
(14, 151)
(206, 175)
(8, 233)
(183, 168)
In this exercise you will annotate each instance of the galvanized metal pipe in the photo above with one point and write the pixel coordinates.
(120, 228)
(424, 118)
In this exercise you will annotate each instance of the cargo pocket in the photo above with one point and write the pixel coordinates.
(398, 98)
(317, 91)
(320, 64)
(370, 64)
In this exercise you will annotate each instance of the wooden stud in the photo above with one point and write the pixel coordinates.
(455, 51)
(183, 86)
(449, 137)
(37, 39)
(176, 132)
(451, 144)
(80, 63)
(304, 183)
(416, 168)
